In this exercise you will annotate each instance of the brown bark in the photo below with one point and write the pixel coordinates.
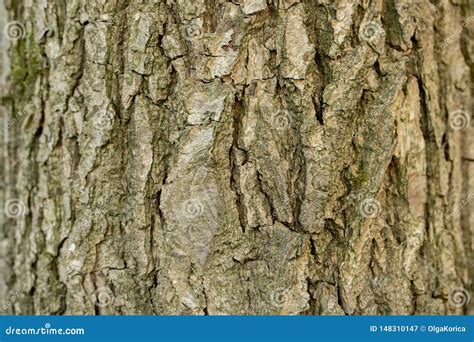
(237, 157)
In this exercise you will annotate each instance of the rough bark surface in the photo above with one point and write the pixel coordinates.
(237, 157)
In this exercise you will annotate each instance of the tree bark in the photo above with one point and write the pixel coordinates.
(306, 157)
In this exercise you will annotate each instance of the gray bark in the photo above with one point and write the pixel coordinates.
(237, 157)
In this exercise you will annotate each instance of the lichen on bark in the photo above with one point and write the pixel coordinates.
(237, 157)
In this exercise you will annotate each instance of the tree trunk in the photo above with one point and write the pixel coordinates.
(175, 157)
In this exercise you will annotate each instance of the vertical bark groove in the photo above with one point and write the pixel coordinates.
(236, 157)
